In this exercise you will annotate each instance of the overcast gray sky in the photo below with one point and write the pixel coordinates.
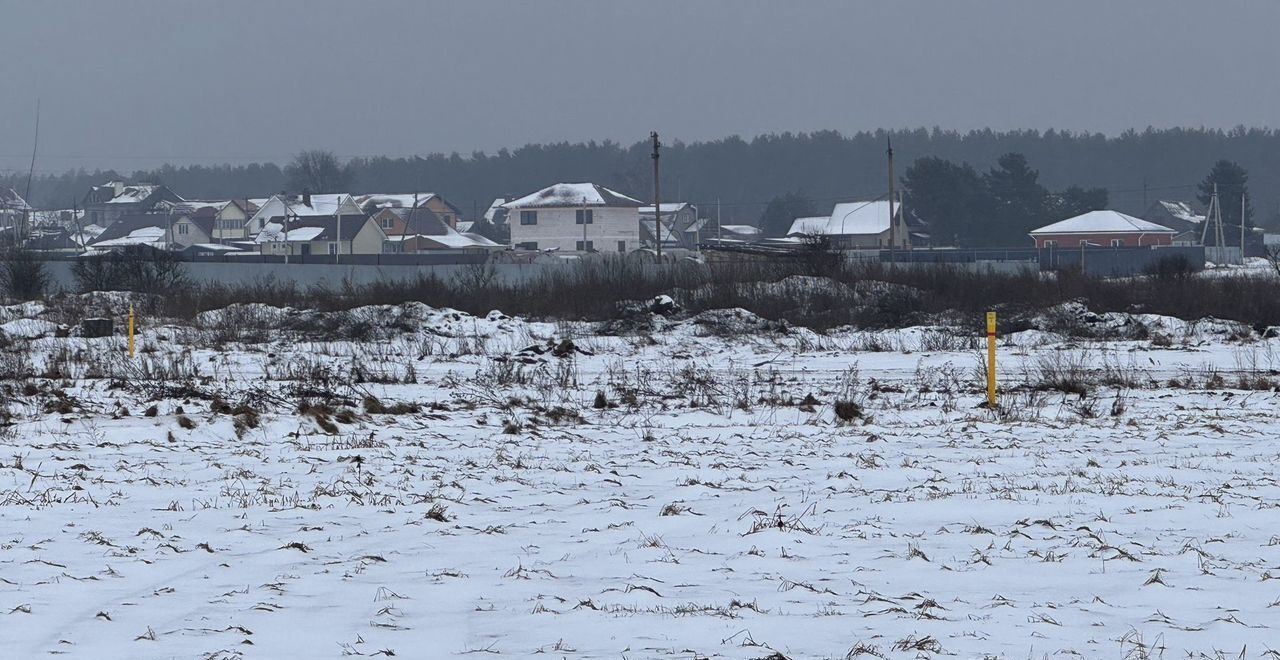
(131, 84)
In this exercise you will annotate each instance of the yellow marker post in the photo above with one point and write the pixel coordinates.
(131, 330)
(991, 360)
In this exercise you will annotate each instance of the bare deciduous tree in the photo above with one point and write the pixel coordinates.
(318, 171)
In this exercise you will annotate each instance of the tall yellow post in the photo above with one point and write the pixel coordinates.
(131, 330)
(991, 359)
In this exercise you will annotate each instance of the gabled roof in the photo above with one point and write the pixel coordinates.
(130, 194)
(570, 195)
(847, 219)
(371, 202)
(667, 208)
(135, 227)
(215, 206)
(1184, 211)
(423, 223)
(320, 206)
(317, 228)
(496, 213)
(1103, 222)
(420, 221)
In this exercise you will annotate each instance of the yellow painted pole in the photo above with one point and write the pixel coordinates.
(131, 330)
(991, 360)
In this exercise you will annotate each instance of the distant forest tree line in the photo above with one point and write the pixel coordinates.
(977, 187)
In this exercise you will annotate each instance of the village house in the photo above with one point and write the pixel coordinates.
(298, 207)
(681, 226)
(411, 231)
(581, 217)
(1103, 229)
(492, 225)
(106, 203)
(162, 231)
(856, 225)
(372, 202)
(13, 208)
(1176, 215)
(354, 233)
(229, 217)
(745, 233)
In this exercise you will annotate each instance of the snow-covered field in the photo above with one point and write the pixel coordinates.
(685, 493)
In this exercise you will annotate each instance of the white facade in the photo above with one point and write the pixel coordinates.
(612, 229)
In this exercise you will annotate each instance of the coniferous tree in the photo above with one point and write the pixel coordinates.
(1232, 181)
(782, 211)
(1075, 201)
(950, 197)
(1019, 202)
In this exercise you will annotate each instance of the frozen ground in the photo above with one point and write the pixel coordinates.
(711, 509)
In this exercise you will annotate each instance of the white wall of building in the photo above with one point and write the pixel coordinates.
(558, 228)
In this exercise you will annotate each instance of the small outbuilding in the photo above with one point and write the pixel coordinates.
(1103, 229)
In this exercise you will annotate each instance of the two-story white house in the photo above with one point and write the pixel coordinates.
(575, 217)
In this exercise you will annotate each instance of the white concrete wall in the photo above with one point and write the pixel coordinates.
(557, 228)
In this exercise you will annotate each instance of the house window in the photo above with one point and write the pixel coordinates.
(622, 246)
(1117, 242)
(1050, 243)
(388, 223)
(333, 248)
(583, 217)
(529, 218)
(390, 247)
(1083, 242)
(182, 229)
(585, 246)
(528, 245)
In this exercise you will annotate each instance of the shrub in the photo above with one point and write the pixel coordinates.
(22, 275)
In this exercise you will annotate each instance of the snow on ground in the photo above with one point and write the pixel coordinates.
(714, 507)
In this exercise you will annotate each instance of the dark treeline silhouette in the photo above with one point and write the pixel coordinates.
(746, 174)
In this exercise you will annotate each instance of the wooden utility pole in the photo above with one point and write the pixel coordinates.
(26, 194)
(1242, 228)
(657, 197)
(892, 228)
(285, 200)
(719, 227)
(75, 218)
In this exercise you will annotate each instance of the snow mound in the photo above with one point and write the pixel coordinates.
(29, 329)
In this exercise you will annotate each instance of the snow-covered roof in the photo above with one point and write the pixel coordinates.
(133, 194)
(10, 200)
(274, 232)
(1103, 222)
(569, 195)
(139, 236)
(741, 229)
(214, 247)
(481, 241)
(667, 207)
(847, 219)
(216, 204)
(321, 205)
(1182, 211)
(374, 201)
(493, 208)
